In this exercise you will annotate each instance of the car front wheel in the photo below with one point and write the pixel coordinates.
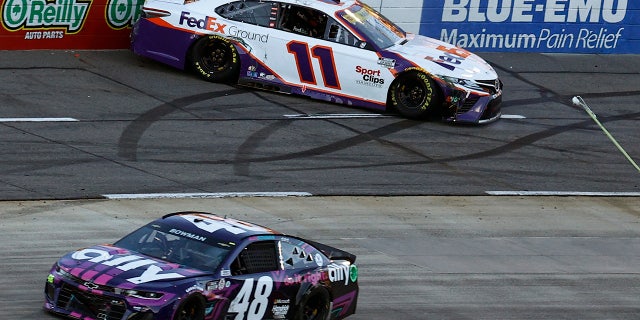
(415, 95)
(215, 59)
(191, 308)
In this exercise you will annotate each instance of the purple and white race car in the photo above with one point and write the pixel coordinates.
(338, 51)
(197, 266)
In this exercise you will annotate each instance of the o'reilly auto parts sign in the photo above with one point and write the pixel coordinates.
(563, 26)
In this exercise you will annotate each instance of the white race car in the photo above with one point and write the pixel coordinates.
(338, 51)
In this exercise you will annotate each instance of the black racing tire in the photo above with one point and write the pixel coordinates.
(191, 308)
(314, 306)
(415, 95)
(215, 59)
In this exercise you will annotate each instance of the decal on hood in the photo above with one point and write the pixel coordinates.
(153, 271)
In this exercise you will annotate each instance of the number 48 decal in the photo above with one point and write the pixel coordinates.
(252, 307)
(303, 54)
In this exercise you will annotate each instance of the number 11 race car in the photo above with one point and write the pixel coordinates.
(199, 266)
(338, 51)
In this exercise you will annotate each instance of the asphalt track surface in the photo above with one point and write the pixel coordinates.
(418, 202)
(146, 128)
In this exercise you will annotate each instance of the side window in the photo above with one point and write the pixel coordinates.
(302, 20)
(339, 34)
(253, 12)
(296, 256)
(256, 258)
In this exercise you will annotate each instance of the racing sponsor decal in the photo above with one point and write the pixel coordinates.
(585, 26)
(280, 308)
(126, 263)
(387, 62)
(187, 235)
(194, 287)
(370, 77)
(67, 24)
(68, 15)
(341, 272)
(281, 277)
(206, 23)
(253, 73)
(123, 13)
(236, 32)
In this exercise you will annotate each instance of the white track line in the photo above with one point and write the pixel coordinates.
(335, 116)
(204, 195)
(512, 116)
(38, 120)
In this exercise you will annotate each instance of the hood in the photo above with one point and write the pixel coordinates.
(117, 267)
(441, 58)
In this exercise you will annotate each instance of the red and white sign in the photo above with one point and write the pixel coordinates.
(67, 24)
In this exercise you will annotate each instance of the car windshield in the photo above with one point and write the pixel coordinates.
(176, 246)
(373, 25)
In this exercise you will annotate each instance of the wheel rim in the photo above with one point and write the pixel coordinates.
(189, 311)
(214, 57)
(412, 94)
(314, 310)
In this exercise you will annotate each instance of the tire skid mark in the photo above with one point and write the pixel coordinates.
(131, 135)
(511, 146)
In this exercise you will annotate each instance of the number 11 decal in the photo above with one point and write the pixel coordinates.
(301, 52)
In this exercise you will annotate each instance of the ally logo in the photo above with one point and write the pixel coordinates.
(123, 13)
(43, 14)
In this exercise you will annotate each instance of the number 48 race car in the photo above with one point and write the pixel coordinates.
(199, 266)
(338, 51)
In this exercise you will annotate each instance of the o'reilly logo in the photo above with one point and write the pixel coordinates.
(41, 14)
(564, 11)
(123, 13)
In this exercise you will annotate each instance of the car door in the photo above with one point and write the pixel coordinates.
(324, 58)
(254, 282)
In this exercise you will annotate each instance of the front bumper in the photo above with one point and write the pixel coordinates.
(464, 106)
(69, 299)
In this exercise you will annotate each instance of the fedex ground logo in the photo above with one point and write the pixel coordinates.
(563, 26)
(206, 23)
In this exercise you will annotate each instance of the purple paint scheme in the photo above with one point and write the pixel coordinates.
(195, 265)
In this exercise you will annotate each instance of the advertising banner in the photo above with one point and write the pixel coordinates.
(552, 26)
(67, 24)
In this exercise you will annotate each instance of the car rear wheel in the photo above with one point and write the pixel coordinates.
(314, 306)
(415, 95)
(215, 59)
(191, 308)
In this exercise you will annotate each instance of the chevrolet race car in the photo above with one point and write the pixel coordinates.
(195, 266)
(338, 51)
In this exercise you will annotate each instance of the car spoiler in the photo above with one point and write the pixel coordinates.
(333, 253)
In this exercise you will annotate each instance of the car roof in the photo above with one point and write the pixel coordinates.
(328, 6)
(325, 5)
(210, 225)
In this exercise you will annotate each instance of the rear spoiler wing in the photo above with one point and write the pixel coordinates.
(333, 253)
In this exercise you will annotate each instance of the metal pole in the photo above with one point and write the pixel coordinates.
(578, 101)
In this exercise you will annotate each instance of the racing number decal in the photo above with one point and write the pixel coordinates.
(302, 54)
(252, 307)
(451, 57)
